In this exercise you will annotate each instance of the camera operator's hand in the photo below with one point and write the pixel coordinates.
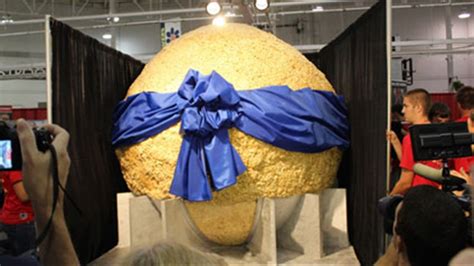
(37, 166)
(57, 247)
(462, 174)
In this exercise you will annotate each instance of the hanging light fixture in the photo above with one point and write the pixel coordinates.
(213, 7)
(107, 36)
(6, 19)
(318, 9)
(464, 14)
(113, 19)
(231, 12)
(219, 21)
(262, 5)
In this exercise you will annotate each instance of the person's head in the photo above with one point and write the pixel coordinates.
(430, 227)
(439, 113)
(4, 117)
(465, 98)
(416, 105)
(170, 253)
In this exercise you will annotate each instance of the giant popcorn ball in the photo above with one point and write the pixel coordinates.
(248, 58)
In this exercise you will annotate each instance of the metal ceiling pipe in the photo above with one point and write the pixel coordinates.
(121, 15)
(203, 10)
(436, 52)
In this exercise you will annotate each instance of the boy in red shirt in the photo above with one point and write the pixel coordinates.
(17, 214)
(465, 99)
(464, 164)
(416, 105)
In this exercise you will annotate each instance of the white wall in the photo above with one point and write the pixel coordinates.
(22, 93)
(429, 24)
(22, 50)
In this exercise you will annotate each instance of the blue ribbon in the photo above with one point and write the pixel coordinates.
(303, 121)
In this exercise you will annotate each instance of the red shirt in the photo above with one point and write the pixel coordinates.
(407, 163)
(462, 119)
(464, 162)
(14, 211)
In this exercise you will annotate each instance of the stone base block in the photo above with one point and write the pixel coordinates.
(310, 228)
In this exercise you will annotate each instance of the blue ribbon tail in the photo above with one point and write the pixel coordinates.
(223, 160)
(190, 177)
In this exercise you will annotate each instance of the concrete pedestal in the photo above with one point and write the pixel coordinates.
(311, 228)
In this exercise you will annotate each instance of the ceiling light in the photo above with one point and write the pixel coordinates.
(261, 5)
(107, 36)
(113, 19)
(213, 8)
(230, 14)
(318, 9)
(464, 15)
(6, 19)
(218, 21)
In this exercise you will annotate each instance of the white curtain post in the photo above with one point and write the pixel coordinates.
(389, 98)
(389, 85)
(48, 47)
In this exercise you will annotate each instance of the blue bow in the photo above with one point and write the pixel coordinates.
(304, 121)
(209, 108)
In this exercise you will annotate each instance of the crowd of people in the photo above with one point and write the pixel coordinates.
(417, 109)
(429, 229)
(430, 226)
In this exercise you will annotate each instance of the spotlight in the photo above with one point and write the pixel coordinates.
(218, 21)
(113, 19)
(230, 14)
(107, 36)
(213, 8)
(261, 5)
(318, 9)
(464, 14)
(6, 19)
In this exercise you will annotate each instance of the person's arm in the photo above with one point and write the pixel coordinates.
(20, 191)
(57, 247)
(404, 183)
(406, 163)
(397, 146)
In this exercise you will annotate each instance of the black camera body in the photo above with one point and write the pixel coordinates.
(10, 150)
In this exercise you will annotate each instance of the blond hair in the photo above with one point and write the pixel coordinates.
(170, 253)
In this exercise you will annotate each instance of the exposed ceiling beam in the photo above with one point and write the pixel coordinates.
(202, 10)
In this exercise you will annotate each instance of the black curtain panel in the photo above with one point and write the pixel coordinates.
(356, 65)
(88, 80)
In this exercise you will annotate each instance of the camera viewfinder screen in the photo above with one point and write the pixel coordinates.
(6, 154)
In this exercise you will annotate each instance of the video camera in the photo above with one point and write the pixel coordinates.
(441, 141)
(10, 151)
(433, 142)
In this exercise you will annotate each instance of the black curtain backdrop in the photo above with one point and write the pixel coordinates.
(89, 79)
(356, 65)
